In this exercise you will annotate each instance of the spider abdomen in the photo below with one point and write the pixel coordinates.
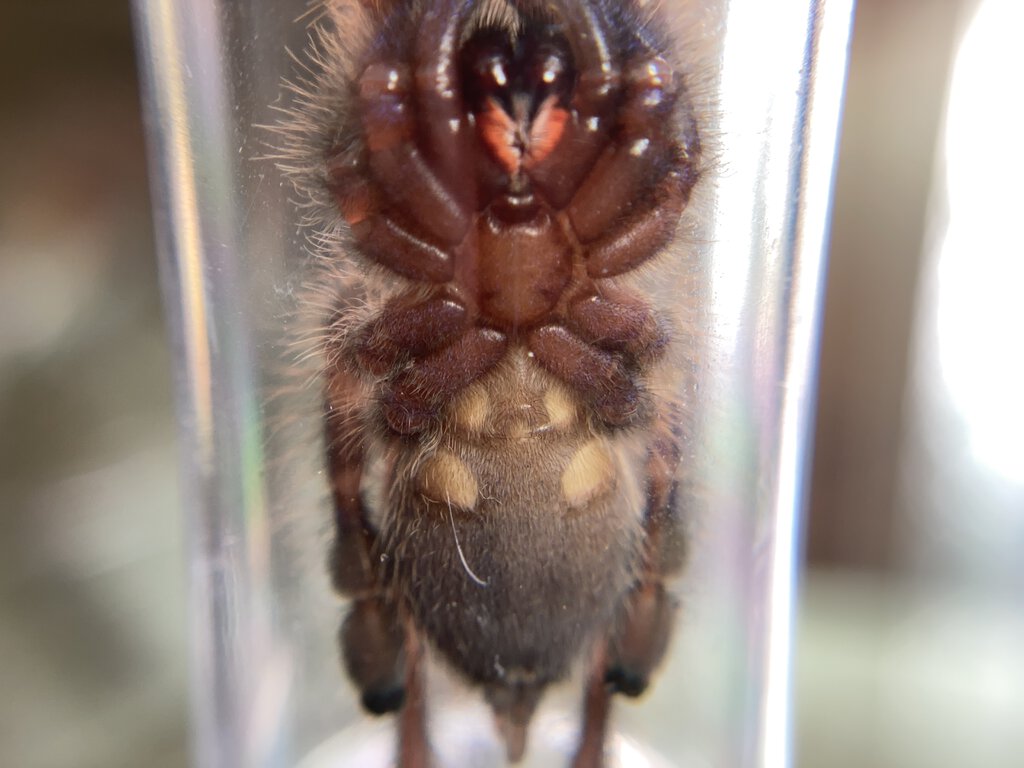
(516, 460)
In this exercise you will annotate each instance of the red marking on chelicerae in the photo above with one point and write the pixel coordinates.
(546, 131)
(498, 130)
(505, 137)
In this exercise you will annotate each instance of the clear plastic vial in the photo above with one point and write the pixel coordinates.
(268, 689)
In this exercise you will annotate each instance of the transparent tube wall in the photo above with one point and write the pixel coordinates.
(268, 689)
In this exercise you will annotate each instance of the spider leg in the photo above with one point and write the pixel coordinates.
(424, 352)
(446, 138)
(617, 322)
(642, 633)
(608, 338)
(413, 743)
(637, 156)
(404, 330)
(372, 649)
(597, 700)
(371, 637)
(625, 660)
(403, 189)
(600, 377)
(627, 209)
(417, 394)
(589, 130)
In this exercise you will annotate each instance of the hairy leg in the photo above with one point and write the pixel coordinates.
(636, 645)
(371, 638)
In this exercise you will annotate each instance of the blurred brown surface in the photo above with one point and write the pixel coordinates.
(899, 64)
(91, 615)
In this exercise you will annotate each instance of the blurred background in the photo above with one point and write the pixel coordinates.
(911, 630)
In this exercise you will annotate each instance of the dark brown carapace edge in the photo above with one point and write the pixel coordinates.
(487, 180)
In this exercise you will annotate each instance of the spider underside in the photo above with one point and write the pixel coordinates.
(503, 474)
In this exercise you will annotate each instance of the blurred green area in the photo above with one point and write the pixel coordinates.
(891, 673)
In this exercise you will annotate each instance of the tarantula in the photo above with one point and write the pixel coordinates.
(493, 176)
